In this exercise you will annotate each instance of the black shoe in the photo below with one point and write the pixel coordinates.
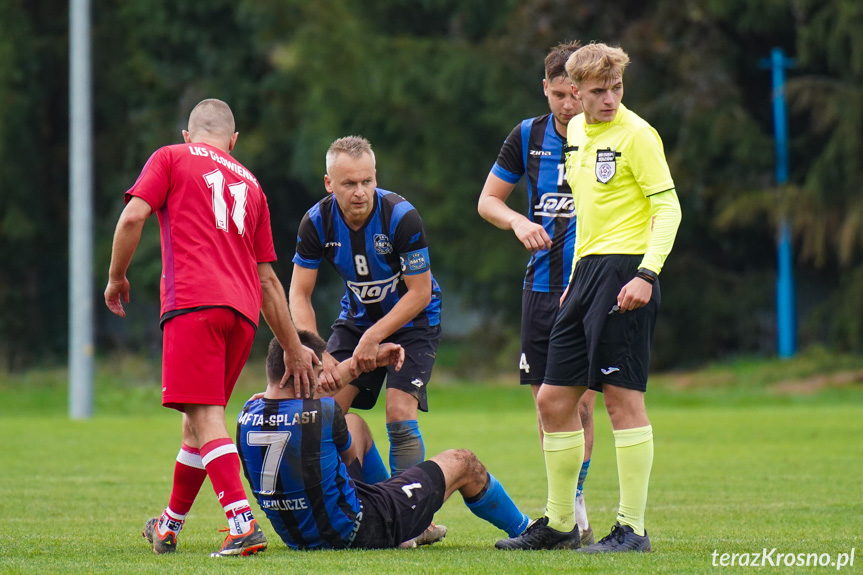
(622, 538)
(539, 535)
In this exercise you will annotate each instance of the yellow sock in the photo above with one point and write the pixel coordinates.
(634, 459)
(564, 452)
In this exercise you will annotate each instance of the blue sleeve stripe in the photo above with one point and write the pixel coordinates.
(399, 210)
(505, 174)
(347, 445)
(317, 219)
(302, 262)
(526, 126)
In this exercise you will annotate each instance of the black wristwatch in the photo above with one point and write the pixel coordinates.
(647, 275)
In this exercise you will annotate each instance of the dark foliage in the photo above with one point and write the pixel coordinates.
(436, 85)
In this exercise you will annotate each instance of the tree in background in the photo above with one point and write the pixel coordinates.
(436, 85)
(822, 201)
(33, 182)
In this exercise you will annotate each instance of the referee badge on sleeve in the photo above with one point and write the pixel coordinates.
(606, 165)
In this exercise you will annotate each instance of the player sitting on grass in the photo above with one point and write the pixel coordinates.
(296, 454)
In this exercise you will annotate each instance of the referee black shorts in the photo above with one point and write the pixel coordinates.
(591, 342)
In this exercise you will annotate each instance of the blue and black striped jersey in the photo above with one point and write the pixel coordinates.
(534, 147)
(371, 260)
(290, 453)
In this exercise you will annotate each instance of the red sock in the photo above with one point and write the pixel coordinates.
(189, 475)
(223, 466)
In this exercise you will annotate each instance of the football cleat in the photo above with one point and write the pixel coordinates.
(248, 543)
(539, 535)
(162, 542)
(622, 538)
(432, 534)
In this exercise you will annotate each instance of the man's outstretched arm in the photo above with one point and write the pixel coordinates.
(299, 360)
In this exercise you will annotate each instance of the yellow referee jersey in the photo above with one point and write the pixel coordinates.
(612, 169)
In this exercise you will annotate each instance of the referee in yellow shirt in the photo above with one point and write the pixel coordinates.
(628, 214)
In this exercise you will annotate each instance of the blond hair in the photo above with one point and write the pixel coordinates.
(353, 146)
(596, 62)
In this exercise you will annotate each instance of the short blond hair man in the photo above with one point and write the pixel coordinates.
(628, 214)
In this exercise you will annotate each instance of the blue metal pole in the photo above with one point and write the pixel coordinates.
(786, 317)
(786, 313)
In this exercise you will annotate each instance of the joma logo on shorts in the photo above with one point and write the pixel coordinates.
(373, 292)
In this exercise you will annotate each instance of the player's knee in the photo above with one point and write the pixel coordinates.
(469, 463)
(355, 421)
(360, 432)
(402, 411)
(548, 404)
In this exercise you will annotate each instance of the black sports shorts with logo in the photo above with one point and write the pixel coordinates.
(538, 312)
(592, 343)
(399, 508)
(420, 345)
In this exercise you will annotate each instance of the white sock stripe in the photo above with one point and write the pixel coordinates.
(190, 459)
(174, 515)
(226, 449)
(231, 507)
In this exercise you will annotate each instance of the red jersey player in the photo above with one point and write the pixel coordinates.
(217, 246)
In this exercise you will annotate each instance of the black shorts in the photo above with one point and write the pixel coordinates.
(538, 312)
(420, 344)
(592, 345)
(399, 508)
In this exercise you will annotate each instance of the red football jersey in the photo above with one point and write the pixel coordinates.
(215, 227)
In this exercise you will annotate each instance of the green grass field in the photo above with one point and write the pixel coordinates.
(748, 456)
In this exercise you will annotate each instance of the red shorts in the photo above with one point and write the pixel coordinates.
(204, 352)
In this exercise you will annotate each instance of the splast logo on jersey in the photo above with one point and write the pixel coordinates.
(606, 166)
(383, 245)
(374, 292)
(555, 205)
